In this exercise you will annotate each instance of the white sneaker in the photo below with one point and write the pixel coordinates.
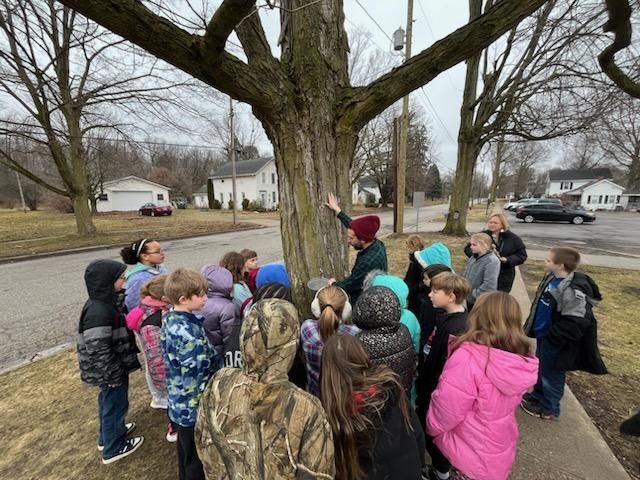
(130, 427)
(160, 404)
(172, 434)
(130, 446)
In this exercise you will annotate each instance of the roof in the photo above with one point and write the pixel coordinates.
(244, 168)
(133, 177)
(587, 185)
(580, 174)
(367, 182)
(202, 189)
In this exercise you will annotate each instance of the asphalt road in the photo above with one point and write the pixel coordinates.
(614, 233)
(42, 298)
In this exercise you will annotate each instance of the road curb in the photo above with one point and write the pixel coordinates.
(37, 256)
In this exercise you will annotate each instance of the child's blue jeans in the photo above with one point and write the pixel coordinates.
(549, 388)
(113, 403)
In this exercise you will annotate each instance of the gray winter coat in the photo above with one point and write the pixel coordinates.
(482, 272)
(107, 350)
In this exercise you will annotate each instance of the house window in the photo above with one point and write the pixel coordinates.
(221, 197)
(618, 199)
(243, 196)
(612, 199)
(264, 177)
(566, 185)
(273, 179)
(160, 196)
(273, 197)
(606, 199)
(588, 199)
(599, 198)
(103, 197)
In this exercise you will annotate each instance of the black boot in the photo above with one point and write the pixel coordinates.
(631, 426)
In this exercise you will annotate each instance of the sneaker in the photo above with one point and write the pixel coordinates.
(529, 398)
(534, 409)
(172, 434)
(130, 427)
(433, 474)
(631, 426)
(130, 446)
(159, 404)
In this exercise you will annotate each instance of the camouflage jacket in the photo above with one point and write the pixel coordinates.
(107, 350)
(253, 423)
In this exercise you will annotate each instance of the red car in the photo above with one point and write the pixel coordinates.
(154, 210)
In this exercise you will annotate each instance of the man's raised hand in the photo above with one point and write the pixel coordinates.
(332, 202)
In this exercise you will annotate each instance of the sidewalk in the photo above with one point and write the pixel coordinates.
(610, 261)
(571, 448)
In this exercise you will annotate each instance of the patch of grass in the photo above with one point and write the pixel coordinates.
(610, 399)
(49, 427)
(48, 231)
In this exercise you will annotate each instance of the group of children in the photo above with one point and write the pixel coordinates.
(357, 391)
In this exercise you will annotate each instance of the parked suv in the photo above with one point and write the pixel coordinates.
(531, 201)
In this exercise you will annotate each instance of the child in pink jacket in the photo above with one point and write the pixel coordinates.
(472, 411)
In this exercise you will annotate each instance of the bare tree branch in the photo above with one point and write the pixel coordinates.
(620, 24)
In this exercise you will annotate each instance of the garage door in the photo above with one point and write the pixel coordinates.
(123, 201)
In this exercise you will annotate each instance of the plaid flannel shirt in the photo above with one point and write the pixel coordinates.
(374, 257)
(312, 346)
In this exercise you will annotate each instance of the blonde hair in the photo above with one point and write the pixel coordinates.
(503, 220)
(496, 321)
(451, 283)
(484, 239)
(154, 288)
(183, 282)
(332, 300)
(415, 243)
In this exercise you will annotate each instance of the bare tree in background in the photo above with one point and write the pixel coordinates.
(65, 76)
(619, 137)
(538, 83)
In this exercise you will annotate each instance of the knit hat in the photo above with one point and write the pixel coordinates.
(272, 272)
(436, 253)
(365, 227)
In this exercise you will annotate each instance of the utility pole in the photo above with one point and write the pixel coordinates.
(232, 152)
(404, 132)
(24, 206)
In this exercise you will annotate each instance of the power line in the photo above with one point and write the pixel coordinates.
(374, 20)
(433, 109)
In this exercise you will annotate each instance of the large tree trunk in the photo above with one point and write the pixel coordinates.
(633, 178)
(84, 222)
(93, 200)
(496, 170)
(468, 142)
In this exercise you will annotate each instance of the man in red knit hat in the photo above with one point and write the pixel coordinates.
(361, 235)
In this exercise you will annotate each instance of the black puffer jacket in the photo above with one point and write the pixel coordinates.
(106, 348)
(388, 342)
(511, 247)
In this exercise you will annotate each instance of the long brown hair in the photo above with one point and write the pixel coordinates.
(234, 262)
(496, 321)
(347, 369)
(331, 300)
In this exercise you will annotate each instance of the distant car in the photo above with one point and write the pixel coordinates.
(551, 212)
(181, 204)
(154, 210)
(530, 201)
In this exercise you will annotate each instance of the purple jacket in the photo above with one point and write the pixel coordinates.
(219, 313)
(472, 412)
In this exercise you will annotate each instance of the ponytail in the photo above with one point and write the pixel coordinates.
(131, 253)
(328, 322)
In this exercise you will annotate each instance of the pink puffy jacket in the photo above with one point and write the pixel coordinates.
(472, 411)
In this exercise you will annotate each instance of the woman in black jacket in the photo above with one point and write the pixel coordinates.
(509, 246)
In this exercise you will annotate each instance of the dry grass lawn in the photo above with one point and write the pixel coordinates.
(48, 231)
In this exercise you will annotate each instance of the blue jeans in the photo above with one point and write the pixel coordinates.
(549, 389)
(113, 403)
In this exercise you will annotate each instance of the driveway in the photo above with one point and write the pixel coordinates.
(613, 233)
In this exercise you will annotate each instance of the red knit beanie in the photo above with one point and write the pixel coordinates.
(366, 227)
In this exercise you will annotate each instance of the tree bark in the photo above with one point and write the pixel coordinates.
(496, 170)
(94, 204)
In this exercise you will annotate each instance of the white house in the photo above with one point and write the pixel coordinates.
(256, 179)
(362, 187)
(597, 195)
(130, 193)
(561, 181)
(200, 197)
